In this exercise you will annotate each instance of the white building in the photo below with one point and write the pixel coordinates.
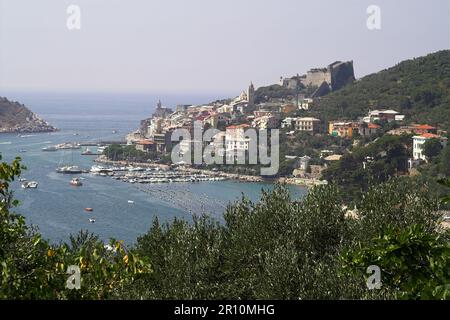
(307, 124)
(419, 141)
(233, 142)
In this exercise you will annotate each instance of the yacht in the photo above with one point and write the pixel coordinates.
(100, 169)
(69, 170)
(50, 149)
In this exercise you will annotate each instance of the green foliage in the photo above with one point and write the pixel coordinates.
(446, 183)
(432, 148)
(118, 152)
(264, 94)
(279, 248)
(444, 161)
(369, 165)
(414, 262)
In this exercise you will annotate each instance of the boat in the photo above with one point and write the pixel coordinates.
(100, 169)
(100, 150)
(130, 201)
(68, 146)
(88, 209)
(30, 185)
(69, 170)
(50, 149)
(87, 152)
(22, 179)
(91, 220)
(76, 182)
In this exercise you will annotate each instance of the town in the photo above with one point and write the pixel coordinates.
(290, 106)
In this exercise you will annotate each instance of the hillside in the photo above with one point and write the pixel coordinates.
(15, 117)
(419, 88)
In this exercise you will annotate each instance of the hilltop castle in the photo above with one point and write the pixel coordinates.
(331, 78)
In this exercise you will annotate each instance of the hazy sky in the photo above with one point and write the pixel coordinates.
(198, 46)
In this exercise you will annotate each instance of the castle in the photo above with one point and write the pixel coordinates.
(333, 77)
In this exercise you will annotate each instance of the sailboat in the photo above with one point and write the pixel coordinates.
(68, 169)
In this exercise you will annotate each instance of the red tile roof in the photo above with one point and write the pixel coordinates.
(373, 126)
(430, 136)
(145, 142)
(241, 126)
(424, 127)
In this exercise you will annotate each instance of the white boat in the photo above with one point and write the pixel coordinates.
(22, 179)
(101, 149)
(100, 169)
(69, 170)
(87, 152)
(30, 185)
(91, 220)
(76, 182)
(50, 149)
(130, 201)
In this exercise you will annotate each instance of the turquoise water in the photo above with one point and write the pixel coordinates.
(57, 208)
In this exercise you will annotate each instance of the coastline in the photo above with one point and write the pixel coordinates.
(302, 182)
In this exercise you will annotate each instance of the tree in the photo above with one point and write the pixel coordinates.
(414, 263)
(432, 148)
(444, 161)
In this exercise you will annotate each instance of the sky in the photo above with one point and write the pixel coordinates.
(205, 46)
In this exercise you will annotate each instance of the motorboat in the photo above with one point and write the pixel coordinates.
(88, 209)
(76, 182)
(91, 220)
(50, 149)
(30, 185)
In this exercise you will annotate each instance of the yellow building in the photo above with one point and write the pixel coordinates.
(340, 129)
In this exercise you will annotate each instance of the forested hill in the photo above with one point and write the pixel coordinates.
(419, 88)
(15, 117)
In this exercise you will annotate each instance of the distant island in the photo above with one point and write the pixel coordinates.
(16, 118)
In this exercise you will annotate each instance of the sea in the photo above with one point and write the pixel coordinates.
(121, 210)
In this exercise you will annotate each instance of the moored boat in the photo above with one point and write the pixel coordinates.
(50, 149)
(69, 170)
